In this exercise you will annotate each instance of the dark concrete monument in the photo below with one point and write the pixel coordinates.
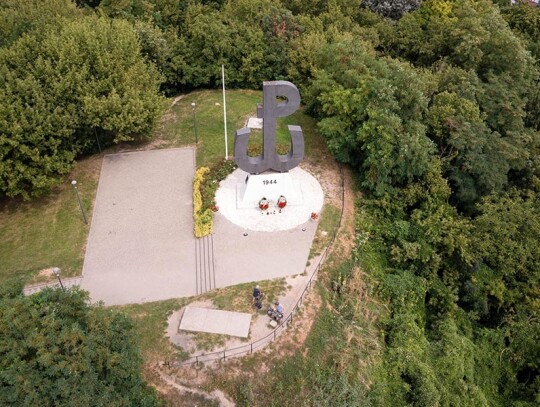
(270, 110)
(268, 178)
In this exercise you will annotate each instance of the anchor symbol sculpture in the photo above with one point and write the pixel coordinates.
(269, 112)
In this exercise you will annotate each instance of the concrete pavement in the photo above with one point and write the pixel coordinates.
(215, 321)
(141, 246)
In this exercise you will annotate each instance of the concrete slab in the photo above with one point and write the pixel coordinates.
(216, 321)
(242, 255)
(141, 246)
(255, 123)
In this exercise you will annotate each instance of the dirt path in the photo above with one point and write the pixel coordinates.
(215, 395)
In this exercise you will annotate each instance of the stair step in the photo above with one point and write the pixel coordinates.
(205, 264)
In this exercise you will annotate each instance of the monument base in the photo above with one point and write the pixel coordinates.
(273, 219)
(270, 185)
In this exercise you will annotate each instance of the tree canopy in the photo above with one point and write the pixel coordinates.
(61, 90)
(56, 349)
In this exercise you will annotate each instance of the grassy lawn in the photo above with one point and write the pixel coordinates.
(49, 231)
(150, 323)
(177, 128)
(327, 227)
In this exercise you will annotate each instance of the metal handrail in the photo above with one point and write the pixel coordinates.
(270, 337)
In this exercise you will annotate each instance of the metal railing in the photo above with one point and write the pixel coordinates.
(249, 348)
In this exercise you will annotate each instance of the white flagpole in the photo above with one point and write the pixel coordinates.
(224, 111)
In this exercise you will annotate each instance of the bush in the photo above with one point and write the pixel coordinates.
(202, 226)
(59, 350)
(205, 185)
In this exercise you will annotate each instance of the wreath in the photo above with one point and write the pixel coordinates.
(282, 202)
(263, 204)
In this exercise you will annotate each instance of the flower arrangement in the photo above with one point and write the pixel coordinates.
(263, 204)
(314, 216)
(282, 202)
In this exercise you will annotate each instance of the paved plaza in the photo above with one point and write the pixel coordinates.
(141, 246)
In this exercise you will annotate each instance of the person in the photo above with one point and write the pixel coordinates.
(257, 297)
(256, 293)
(279, 307)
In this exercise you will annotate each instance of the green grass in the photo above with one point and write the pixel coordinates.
(150, 324)
(177, 128)
(49, 231)
(178, 125)
(239, 297)
(328, 224)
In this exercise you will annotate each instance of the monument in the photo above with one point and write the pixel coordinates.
(269, 181)
(270, 192)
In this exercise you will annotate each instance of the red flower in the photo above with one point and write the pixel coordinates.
(282, 202)
(263, 204)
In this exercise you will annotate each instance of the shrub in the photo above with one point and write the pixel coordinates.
(205, 185)
(202, 226)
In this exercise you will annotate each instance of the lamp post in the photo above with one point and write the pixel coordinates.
(56, 272)
(193, 105)
(74, 183)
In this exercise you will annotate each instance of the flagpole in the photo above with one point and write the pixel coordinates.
(224, 111)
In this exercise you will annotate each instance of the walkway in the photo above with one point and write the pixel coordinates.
(141, 244)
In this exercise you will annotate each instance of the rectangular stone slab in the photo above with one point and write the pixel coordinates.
(216, 321)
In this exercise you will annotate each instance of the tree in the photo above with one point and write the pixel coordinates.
(524, 19)
(473, 155)
(57, 94)
(505, 242)
(56, 349)
(486, 88)
(251, 40)
(372, 113)
(391, 8)
(18, 17)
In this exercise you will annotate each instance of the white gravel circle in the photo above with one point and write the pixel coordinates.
(271, 220)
